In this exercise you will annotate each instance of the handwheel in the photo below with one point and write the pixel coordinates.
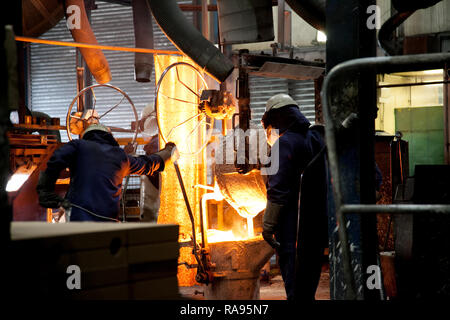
(81, 120)
(199, 126)
(84, 119)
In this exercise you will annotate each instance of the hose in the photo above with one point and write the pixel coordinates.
(201, 268)
(92, 213)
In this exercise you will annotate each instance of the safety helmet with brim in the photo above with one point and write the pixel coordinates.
(280, 100)
(96, 126)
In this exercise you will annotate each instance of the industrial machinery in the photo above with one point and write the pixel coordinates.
(31, 152)
(28, 156)
(192, 133)
(218, 205)
(77, 121)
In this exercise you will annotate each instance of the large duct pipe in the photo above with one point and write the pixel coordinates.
(95, 59)
(409, 5)
(312, 11)
(143, 35)
(405, 9)
(189, 40)
(385, 35)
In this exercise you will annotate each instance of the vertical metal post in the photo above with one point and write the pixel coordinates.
(80, 63)
(196, 16)
(205, 25)
(280, 32)
(367, 110)
(350, 38)
(287, 18)
(446, 90)
(243, 96)
(13, 18)
(80, 84)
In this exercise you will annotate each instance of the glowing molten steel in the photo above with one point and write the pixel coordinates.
(215, 236)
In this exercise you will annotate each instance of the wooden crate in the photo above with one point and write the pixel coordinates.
(116, 260)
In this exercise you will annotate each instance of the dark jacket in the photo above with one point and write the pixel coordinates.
(97, 168)
(298, 145)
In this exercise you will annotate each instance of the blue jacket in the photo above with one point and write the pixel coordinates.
(97, 168)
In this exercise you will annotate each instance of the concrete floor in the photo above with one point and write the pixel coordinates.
(270, 290)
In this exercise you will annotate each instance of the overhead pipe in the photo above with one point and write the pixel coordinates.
(95, 59)
(385, 35)
(405, 9)
(408, 5)
(189, 40)
(143, 35)
(312, 11)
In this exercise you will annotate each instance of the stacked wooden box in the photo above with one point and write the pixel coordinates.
(116, 260)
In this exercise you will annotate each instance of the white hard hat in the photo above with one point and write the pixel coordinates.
(280, 100)
(96, 126)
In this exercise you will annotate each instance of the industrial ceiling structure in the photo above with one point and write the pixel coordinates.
(198, 73)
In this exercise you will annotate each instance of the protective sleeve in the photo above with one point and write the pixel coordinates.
(146, 165)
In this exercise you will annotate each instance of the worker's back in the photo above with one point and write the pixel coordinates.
(97, 166)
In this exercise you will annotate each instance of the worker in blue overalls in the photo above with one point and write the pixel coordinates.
(97, 166)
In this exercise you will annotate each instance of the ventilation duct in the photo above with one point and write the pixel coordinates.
(39, 16)
(189, 40)
(312, 11)
(245, 21)
(95, 59)
(143, 35)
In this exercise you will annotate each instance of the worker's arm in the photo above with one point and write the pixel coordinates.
(278, 184)
(278, 191)
(62, 158)
(148, 165)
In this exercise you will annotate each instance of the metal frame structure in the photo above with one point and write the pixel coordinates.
(377, 65)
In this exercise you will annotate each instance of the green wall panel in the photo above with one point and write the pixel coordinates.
(423, 128)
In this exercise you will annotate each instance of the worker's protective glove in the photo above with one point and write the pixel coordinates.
(270, 223)
(46, 191)
(169, 152)
(130, 148)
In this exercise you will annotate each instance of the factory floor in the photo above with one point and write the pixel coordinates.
(272, 289)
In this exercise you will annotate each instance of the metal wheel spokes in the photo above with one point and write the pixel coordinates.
(192, 133)
(185, 85)
(205, 142)
(111, 109)
(182, 123)
(176, 99)
(90, 114)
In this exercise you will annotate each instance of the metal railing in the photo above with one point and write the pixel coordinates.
(379, 65)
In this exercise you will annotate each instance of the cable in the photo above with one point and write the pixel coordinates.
(94, 214)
